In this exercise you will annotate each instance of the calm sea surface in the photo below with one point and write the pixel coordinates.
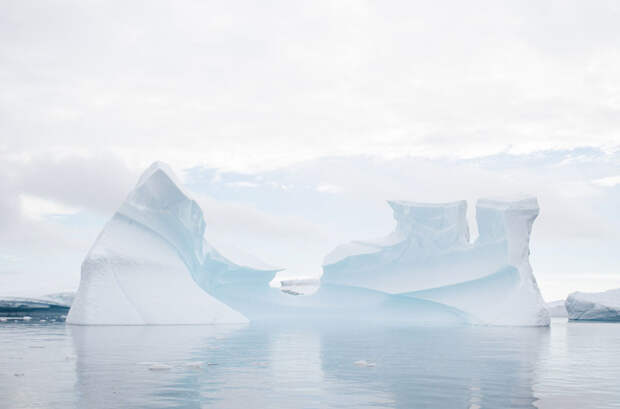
(52, 365)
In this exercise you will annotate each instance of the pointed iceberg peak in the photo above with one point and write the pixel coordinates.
(152, 265)
(158, 166)
(159, 187)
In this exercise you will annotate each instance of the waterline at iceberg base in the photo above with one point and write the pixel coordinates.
(152, 265)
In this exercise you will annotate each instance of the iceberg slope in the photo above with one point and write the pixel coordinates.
(148, 264)
(429, 256)
(603, 306)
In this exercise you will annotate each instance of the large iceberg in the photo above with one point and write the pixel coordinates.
(151, 264)
(603, 306)
(429, 256)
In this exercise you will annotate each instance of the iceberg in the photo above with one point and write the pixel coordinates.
(152, 265)
(604, 306)
(429, 256)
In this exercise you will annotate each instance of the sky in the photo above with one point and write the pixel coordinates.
(293, 122)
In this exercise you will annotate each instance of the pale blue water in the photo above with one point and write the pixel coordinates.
(51, 365)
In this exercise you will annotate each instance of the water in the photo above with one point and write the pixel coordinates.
(51, 365)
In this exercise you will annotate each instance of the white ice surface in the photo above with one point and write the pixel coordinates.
(145, 264)
(429, 256)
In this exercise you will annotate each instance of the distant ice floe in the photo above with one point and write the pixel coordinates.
(557, 309)
(160, 367)
(603, 306)
(364, 364)
(50, 301)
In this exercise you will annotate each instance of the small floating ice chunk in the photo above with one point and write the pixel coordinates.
(42, 320)
(3, 319)
(211, 364)
(26, 318)
(160, 367)
(194, 364)
(364, 364)
(19, 374)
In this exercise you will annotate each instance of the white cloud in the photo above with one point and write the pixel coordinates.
(609, 181)
(37, 208)
(219, 85)
(327, 188)
(244, 184)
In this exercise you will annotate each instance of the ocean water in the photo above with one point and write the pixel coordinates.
(53, 365)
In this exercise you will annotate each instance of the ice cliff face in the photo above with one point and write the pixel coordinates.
(603, 306)
(429, 256)
(151, 264)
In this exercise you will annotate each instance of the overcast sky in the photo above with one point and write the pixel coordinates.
(293, 122)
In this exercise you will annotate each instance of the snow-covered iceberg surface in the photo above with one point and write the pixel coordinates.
(150, 261)
(429, 256)
(603, 306)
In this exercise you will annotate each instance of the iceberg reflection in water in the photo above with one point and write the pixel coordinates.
(308, 367)
(281, 366)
